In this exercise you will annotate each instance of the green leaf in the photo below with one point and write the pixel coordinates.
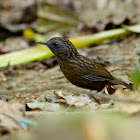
(24, 56)
(98, 37)
(135, 77)
(134, 28)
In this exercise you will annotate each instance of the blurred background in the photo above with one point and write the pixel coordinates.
(69, 18)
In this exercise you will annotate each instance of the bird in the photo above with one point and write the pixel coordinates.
(78, 69)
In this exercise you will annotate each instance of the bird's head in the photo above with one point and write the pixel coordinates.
(61, 47)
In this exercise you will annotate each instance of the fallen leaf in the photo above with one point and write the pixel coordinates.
(54, 107)
(84, 101)
(10, 115)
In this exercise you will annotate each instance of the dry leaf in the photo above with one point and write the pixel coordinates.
(11, 114)
(78, 100)
(54, 107)
(82, 100)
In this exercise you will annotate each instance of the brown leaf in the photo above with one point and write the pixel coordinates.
(10, 115)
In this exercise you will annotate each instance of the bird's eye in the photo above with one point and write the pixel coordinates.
(55, 43)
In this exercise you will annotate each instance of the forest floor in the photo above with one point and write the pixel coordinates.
(118, 56)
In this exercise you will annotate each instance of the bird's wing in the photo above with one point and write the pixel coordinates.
(96, 77)
(97, 73)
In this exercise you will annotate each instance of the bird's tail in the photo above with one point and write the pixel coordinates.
(120, 82)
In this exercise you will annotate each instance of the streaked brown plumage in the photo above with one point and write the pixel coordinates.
(78, 69)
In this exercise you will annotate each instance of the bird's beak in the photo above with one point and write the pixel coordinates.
(42, 43)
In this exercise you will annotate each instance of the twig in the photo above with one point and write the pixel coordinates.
(32, 89)
(121, 69)
(69, 88)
